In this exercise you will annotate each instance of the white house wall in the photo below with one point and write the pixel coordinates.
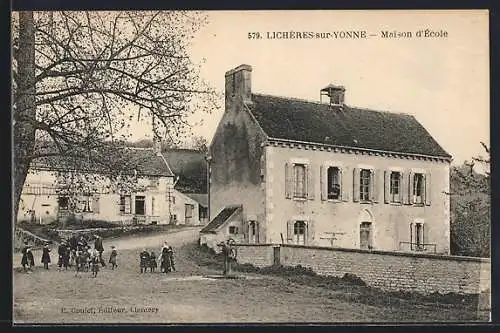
(391, 222)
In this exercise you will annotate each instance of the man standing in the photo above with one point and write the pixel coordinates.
(99, 247)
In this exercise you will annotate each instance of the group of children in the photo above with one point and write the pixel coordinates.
(84, 258)
(149, 260)
(78, 254)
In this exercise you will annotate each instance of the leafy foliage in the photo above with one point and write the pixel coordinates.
(79, 78)
(470, 209)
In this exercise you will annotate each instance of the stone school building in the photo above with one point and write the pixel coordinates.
(324, 173)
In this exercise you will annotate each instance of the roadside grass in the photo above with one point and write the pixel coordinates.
(349, 287)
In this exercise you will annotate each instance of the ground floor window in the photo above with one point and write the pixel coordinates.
(253, 233)
(188, 211)
(63, 203)
(233, 230)
(419, 237)
(125, 204)
(140, 207)
(365, 236)
(299, 232)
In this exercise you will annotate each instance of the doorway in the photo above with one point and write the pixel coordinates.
(365, 236)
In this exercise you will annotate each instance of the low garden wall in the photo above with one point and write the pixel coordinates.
(425, 273)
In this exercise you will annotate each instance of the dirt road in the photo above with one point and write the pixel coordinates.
(125, 295)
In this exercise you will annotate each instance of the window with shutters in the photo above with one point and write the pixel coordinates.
(364, 184)
(395, 187)
(299, 232)
(333, 183)
(418, 188)
(299, 184)
(125, 203)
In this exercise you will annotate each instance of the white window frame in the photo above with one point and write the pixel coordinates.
(416, 188)
(395, 198)
(296, 236)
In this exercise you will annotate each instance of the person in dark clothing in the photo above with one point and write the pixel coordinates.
(144, 260)
(152, 261)
(46, 257)
(112, 257)
(167, 259)
(30, 259)
(80, 261)
(61, 252)
(24, 259)
(100, 248)
(66, 258)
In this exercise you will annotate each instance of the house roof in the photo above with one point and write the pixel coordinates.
(220, 219)
(300, 120)
(127, 159)
(191, 168)
(200, 198)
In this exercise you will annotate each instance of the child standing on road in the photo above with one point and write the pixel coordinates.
(112, 257)
(144, 260)
(152, 261)
(95, 261)
(46, 256)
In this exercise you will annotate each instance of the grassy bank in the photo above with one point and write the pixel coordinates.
(348, 287)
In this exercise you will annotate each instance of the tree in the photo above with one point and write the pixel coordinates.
(470, 208)
(200, 144)
(80, 77)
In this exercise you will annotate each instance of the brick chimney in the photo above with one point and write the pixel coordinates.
(239, 85)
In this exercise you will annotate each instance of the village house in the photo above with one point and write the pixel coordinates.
(154, 200)
(323, 173)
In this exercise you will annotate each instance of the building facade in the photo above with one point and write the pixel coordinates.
(152, 201)
(327, 174)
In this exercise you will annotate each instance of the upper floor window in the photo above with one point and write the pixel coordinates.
(299, 176)
(364, 184)
(395, 187)
(333, 187)
(418, 188)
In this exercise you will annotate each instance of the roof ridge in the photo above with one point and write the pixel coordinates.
(361, 108)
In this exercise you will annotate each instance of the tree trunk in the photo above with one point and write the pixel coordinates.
(24, 108)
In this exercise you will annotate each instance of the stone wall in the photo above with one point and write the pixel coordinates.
(423, 273)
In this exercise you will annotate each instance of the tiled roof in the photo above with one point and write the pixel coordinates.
(299, 120)
(200, 198)
(219, 220)
(191, 168)
(144, 160)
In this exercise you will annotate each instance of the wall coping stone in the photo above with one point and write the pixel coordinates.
(380, 252)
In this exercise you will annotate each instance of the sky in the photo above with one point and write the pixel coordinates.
(442, 81)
